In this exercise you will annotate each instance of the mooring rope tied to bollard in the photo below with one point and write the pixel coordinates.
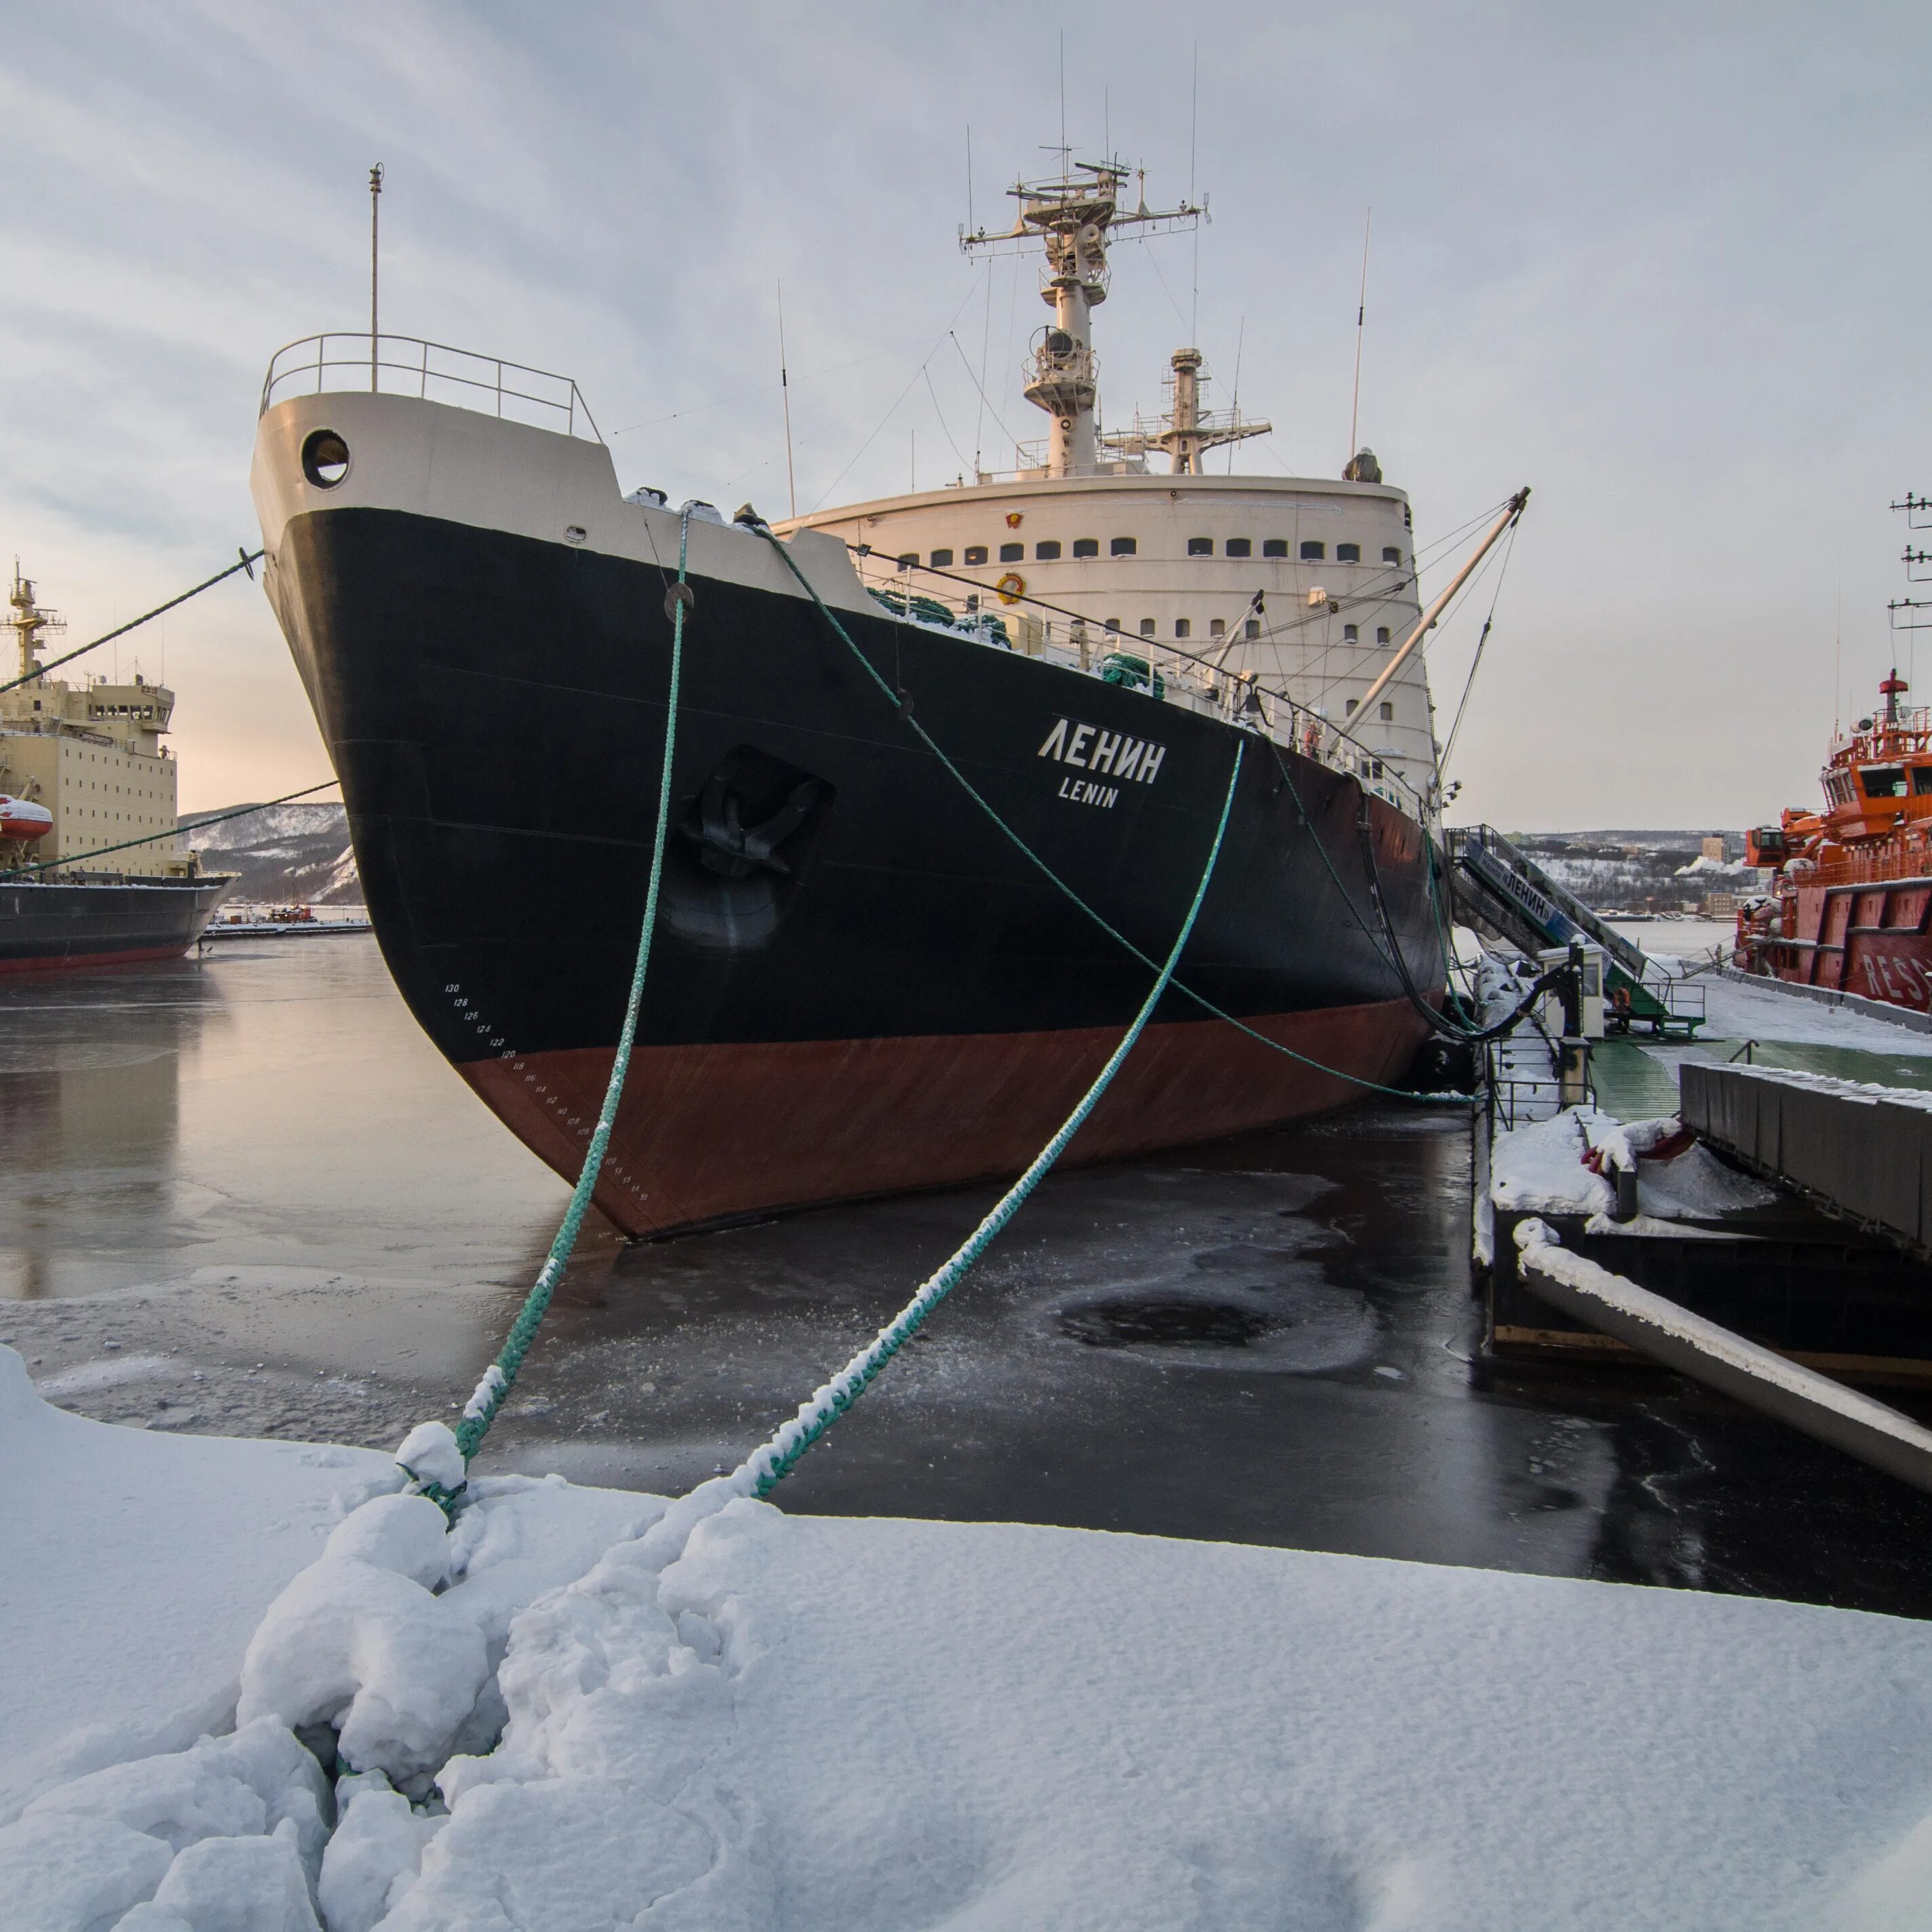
(773, 1460)
(769, 1464)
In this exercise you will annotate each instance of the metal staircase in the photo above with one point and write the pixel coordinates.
(1496, 886)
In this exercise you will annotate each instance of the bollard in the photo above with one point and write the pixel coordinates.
(1626, 1209)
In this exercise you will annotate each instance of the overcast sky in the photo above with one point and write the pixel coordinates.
(1664, 264)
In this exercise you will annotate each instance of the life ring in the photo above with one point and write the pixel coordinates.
(1012, 587)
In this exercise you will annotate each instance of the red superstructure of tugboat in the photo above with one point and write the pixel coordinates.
(1852, 886)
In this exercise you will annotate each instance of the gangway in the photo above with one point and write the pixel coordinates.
(1497, 885)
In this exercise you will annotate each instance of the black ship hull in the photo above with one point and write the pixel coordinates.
(859, 984)
(51, 925)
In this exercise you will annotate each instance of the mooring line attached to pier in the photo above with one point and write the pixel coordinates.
(249, 558)
(501, 1375)
(149, 839)
(1033, 858)
(774, 1459)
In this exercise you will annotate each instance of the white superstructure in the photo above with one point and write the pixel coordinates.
(1286, 597)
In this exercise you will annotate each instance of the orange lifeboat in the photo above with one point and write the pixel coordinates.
(20, 820)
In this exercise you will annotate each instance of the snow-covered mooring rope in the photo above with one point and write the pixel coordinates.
(773, 1460)
(426, 1453)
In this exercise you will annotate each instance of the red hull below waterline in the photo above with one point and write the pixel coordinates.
(72, 962)
(716, 1133)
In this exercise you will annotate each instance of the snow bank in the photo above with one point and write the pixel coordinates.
(819, 1723)
(1696, 1185)
(133, 1567)
(718, 1717)
(136, 1566)
(1540, 1169)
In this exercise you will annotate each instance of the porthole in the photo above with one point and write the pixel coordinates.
(324, 458)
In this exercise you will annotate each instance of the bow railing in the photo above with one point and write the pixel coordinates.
(433, 371)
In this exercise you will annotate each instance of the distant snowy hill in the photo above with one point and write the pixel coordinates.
(1662, 871)
(301, 852)
(283, 853)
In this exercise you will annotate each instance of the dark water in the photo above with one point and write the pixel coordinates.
(241, 1195)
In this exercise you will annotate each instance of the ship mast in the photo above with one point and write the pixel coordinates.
(1187, 432)
(1074, 214)
(27, 622)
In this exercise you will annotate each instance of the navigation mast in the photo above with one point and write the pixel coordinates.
(1074, 214)
(1187, 432)
(29, 622)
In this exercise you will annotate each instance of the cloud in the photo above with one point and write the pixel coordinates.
(1653, 261)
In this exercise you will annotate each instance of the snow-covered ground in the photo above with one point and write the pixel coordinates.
(769, 1721)
(1543, 1167)
(1736, 1010)
(119, 1635)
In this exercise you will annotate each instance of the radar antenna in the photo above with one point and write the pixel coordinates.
(1074, 214)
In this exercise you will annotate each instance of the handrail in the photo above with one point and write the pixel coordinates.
(1874, 868)
(1374, 770)
(362, 358)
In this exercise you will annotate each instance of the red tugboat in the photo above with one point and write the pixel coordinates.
(1853, 887)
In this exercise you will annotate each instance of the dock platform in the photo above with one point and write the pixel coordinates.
(1830, 1104)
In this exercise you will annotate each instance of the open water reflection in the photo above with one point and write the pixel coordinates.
(243, 1195)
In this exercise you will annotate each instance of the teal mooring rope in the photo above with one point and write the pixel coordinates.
(1033, 858)
(501, 1375)
(772, 1461)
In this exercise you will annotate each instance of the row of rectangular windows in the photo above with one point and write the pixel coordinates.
(1313, 550)
(1183, 627)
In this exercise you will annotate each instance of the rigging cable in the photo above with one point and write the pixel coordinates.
(128, 845)
(1469, 683)
(248, 559)
(945, 426)
(898, 700)
(894, 410)
(986, 403)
